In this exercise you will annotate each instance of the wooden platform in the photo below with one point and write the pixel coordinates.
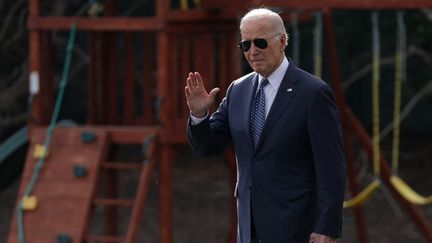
(63, 200)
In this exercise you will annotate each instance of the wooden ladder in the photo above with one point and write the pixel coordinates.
(110, 201)
(66, 189)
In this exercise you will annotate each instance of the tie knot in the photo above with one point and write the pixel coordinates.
(263, 83)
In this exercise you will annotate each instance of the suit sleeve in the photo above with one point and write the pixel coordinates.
(212, 136)
(330, 167)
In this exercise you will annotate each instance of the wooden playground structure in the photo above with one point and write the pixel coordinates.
(171, 43)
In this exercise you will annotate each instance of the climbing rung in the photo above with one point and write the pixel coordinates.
(104, 238)
(121, 166)
(114, 202)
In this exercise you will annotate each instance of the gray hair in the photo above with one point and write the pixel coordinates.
(274, 18)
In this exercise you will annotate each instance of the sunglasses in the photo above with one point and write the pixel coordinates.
(261, 43)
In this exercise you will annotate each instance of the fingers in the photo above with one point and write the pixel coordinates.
(213, 93)
(199, 82)
(190, 81)
(195, 80)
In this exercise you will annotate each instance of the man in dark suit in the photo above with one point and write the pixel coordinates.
(285, 129)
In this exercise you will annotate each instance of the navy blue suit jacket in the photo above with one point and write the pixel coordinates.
(294, 181)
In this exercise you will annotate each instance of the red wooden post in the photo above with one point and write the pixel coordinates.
(38, 113)
(148, 78)
(91, 79)
(166, 192)
(129, 85)
(337, 80)
(166, 110)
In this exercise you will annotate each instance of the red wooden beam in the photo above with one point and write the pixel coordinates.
(228, 5)
(168, 154)
(129, 84)
(35, 63)
(128, 135)
(97, 24)
(147, 77)
(141, 194)
(111, 87)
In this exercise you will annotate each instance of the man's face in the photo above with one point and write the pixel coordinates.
(263, 61)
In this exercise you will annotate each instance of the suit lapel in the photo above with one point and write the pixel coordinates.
(287, 90)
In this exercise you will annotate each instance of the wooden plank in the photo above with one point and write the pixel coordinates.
(141, 195)
(148, 79)
(179, 41)
(111, 94)
(64, 136)
(166, 193)
(163, 65)
(193, 15)
(117, 134)
(124, 135)
(35, 7)
(121, 165)
(60, 164)
(68, 187)
(226, 5)
(63, 199)
(38, 236)
(54, 215)
(103, 238)
(113, 202)
(94, 24)
(129, 85)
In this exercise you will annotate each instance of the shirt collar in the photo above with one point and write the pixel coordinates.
(275, 79)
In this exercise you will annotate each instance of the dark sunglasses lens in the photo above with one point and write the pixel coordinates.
(260, 43)
(245, 45)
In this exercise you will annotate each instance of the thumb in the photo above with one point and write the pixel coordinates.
(213, 92)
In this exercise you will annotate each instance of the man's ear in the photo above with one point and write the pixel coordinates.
(283, 41)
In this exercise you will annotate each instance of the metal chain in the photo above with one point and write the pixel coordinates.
(318, 44)
(296, 37)
(375, 92)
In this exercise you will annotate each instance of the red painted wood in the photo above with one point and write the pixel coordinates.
(121, 166)
(148, 79)
(166, 175)
(103, 238)
(94, 24)
(91, 79)
(112, 83)
(113, 202)
(129, 84)
(58, 192)
(141, 194)
(163, 66)
(226, 5)
(174, 77)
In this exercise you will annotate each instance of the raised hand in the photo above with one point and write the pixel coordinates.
(318, 238)
(197, 98)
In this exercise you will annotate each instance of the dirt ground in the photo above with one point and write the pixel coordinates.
(202, 194)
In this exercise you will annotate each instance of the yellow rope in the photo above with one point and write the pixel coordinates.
(396, 111)
(403, 188)
(375, 184)
(184, 4)
(375, 97)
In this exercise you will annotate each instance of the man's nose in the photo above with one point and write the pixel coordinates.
(253, 48)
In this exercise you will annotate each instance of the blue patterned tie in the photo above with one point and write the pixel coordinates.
(258, 113)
